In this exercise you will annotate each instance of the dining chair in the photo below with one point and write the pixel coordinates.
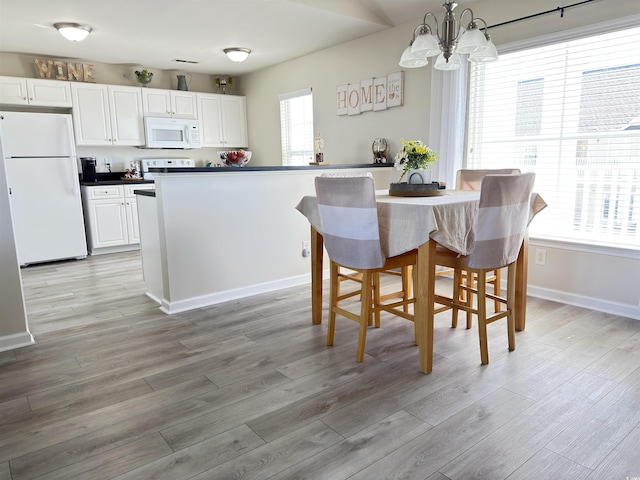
(345, 275)
(349, 226)
(500, 228)
(470, 179)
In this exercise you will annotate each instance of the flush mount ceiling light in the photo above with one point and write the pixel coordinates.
(75, 32)
(448, 43)
(237, 54)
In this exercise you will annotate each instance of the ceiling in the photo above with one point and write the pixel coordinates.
(156, 33)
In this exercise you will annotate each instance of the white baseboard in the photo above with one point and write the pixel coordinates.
(622, 309)
(17, 340)
(219, 297)
(606, 306)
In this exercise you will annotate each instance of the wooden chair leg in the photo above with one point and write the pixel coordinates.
(457, 279)
(365, 313)
(511, 301)
(497, 305)
(482, 317)
(470, 282)
(333, 302)
(375, 279)
(406, 287)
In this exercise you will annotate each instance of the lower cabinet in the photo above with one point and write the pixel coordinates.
(111, 217)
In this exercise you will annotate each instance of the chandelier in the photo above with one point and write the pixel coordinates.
(449, 42)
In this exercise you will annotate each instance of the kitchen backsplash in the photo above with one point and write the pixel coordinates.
(120, 157)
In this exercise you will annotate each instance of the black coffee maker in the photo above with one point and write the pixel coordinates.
(88, 169)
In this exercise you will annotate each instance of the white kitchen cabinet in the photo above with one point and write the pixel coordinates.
(169, 103)
(35, 92)
(223, 120)
(111, 217)
(107, 114)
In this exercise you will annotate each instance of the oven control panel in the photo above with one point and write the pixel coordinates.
(148, 163)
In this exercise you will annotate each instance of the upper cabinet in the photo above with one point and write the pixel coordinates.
(35, 92)
(107, 114)
(169, 103)
(223, 120)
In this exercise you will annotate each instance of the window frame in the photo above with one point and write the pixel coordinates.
(583, 245)
(307, 149)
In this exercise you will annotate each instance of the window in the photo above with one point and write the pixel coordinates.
(296, 127)
(571, 113)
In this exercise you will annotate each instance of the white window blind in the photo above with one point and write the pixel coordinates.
(296, 127)
(571, 113)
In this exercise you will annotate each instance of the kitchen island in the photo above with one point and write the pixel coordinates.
(210, 235)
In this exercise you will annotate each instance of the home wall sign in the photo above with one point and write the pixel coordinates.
(373, 94)
(78, 72)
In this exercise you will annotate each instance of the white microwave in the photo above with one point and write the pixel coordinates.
(163, 132)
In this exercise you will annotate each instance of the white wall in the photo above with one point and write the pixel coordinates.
(228, 235)
(14, 330)
(603, 279)
(348, 138)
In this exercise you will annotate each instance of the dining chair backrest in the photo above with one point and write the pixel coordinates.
(349, 220)
(502, 221)
(470, 179)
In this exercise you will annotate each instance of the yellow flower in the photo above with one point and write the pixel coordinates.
(414, 154)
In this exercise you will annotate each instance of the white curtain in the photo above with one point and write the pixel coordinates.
(447, 121)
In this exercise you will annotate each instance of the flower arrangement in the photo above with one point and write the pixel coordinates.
(224, 83)
(144, 76)
(414, 154)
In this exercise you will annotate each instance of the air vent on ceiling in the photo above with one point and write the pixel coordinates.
(183, 61)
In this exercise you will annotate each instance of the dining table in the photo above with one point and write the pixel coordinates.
(421, 222)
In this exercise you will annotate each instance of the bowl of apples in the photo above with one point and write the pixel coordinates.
(235, 158)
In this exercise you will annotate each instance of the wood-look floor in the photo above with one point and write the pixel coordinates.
(248, 390)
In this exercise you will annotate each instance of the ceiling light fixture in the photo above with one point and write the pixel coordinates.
(75, 32)
(448, 44)
(237, 54)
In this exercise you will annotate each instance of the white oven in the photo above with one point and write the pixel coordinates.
(165, 162)
(163, 132)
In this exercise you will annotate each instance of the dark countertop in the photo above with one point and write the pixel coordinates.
(115, 182)
(112, 178)
(269, 168)
(152, 193)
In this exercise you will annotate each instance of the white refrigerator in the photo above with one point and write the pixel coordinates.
(44, 189)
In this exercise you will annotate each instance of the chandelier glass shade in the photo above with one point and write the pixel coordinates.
(449, 41)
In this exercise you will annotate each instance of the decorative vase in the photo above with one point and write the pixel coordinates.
(144, 76)
(419, 175)
(183, 84)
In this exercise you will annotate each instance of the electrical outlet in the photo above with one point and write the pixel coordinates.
(541, 257)
(306, 248)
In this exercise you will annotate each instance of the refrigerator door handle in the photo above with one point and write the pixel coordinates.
(75, 184)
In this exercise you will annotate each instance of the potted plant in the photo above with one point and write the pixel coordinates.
(144, 76)
(223, 83)
(414, 158)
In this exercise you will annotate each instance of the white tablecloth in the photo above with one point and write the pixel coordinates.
(408, 222)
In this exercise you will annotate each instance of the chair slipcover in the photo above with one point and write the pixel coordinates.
(349, 221)
(503, 217)
(470, 179)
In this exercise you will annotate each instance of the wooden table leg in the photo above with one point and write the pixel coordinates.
(522, 267)
(424, 292)
(317, 253)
